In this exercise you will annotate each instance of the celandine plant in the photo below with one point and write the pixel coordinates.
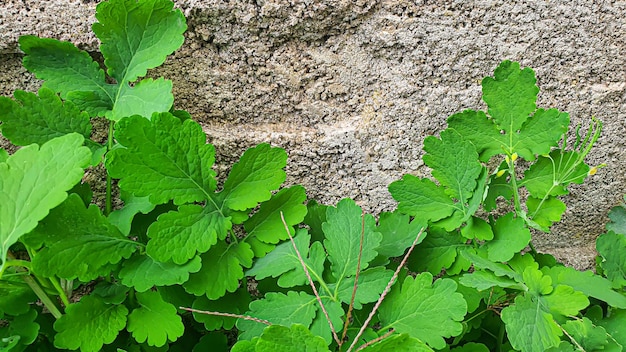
(186, 266)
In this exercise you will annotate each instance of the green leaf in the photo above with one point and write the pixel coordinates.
(89, 324)
(179, 235)
(529, 326)
(155, 321)
(425, 310)
(66, 69)
(233, 303)
(513, 124)
(130, 50)
(510, 236)
(421, 197)
(545, 212)
(320, 326)
(283, 262)
(4, 155)
(398, 343)
(371, 284)
(142, 272)
(15, 296)
(24, 326)
(37, 119)
(498, 187)
(551, 174)
(164, 158)
(454, 163)
(343, 228)
(111, 292)
(251, 180)
(614, 325)
(477, 228)
(222, 268)
(266, 224)
(612, 249)
(590, 337)
(315, 217)
(123, 218)
(296, 338)
(510, 95)
(278, 309)
(398, 232)
(618, 219)
(35, 180)
(439, 250)
(80, 242)
(588, 283)
(145, 98)
(483, 280)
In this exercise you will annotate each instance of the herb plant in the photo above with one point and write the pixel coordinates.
(187, 265)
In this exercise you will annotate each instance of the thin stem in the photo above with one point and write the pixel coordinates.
(379, 338)
(42, 296)
(306, 272)
(61, 292)
(356, 280)
(386, 290)
(109, 194)
(230, 315)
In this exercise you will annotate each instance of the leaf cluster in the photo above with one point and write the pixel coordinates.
(190, 261)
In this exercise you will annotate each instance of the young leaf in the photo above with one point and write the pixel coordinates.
(425, 310)
(510, 96)
(142, 272)
(35, 180)
(79, 241)
(24, 326)
(612, 249)
(222, 268)
(89, 324)
(37, 119)
(155, 321)
(129, 51)
(343, 229)
(280, 309)
(551, 174)
(510, 236)
(123, 218)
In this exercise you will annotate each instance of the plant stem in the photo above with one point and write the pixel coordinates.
(42, 296)
(61, 292)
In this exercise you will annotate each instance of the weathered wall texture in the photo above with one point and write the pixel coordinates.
(351, 88)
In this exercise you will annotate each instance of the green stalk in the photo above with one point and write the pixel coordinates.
(108, 204)
(61, 292)
(43, 297)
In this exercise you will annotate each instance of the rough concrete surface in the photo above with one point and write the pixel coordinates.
(351, 88)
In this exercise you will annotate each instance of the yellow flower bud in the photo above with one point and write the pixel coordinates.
(500, 173)
(593, 171)
(514, 157)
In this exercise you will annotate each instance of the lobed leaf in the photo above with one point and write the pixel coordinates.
(144, 98)
(164, 158)
(142, 272)
(65, 69)
(79, 242)
(618, 219)
(439, 250)
(343, 228)
(425, 310)
(179, 235)
(398, 232)
(251, 180)
(222, 268)
(399, 343)
(280, 309)
(89, 324)
(277, 338)
(137, 36)
(155, 321)
(371, 284)
(545, 212)
(233, 303)
(37, 119)
(529, 326)
(612, 250)
(23, 327)
(510, 236)
(551, 174)
(123, 218)
(33, 181)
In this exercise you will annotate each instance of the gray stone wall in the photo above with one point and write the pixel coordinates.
(351, 88)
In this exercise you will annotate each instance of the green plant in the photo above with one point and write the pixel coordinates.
(130, 267)
(324, 277)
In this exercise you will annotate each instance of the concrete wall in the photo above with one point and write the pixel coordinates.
(351, 88)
